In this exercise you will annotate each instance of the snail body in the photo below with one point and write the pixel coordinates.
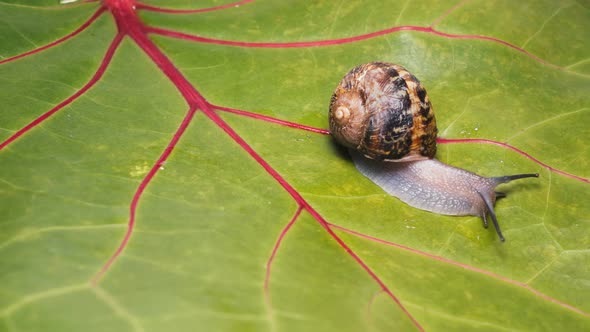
(382, 114)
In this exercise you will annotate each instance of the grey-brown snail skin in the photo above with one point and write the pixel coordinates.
(383, 115)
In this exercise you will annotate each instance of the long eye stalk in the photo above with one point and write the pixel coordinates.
(508, 178)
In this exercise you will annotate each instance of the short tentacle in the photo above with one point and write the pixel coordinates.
(485, 219)
(490, 208)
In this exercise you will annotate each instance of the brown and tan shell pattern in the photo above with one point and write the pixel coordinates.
(383, 111)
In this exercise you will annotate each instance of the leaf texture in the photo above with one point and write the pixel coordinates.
(164, 166)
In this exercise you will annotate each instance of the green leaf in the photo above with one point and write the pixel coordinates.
(250, 225)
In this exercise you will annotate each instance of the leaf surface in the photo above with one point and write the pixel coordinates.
(166, 167)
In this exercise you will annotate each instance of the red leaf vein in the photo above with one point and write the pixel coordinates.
(274, 252)
(59, 41)
(329, 42)
(97, 75)
(129, 24)
(191, 11)
(466, 267)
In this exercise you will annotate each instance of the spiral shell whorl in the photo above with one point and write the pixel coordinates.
(383, 111)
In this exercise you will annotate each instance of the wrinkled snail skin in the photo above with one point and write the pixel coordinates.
(382, 114)
(436, 187)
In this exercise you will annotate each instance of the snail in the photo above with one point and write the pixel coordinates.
(382, 114)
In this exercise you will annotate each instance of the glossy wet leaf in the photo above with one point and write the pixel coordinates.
(207, 223)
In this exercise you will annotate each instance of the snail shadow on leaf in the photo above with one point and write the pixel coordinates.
(507, 189)
(340, 151)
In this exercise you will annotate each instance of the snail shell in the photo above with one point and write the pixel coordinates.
(382, 111)
(383, 115)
